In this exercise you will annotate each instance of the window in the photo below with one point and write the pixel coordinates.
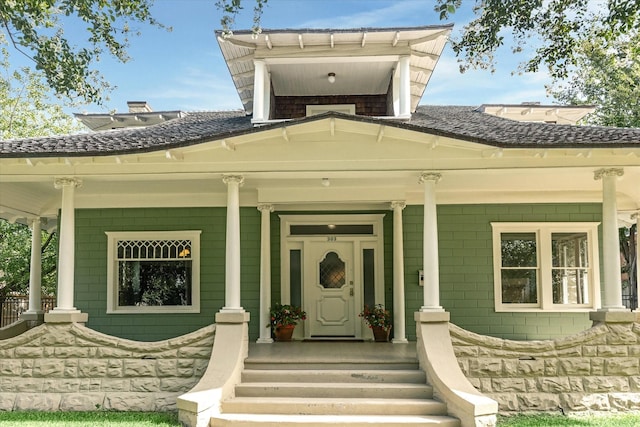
(546, 266)
(151, 272)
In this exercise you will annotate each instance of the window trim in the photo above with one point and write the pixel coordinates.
(543, 232)
(112, 270)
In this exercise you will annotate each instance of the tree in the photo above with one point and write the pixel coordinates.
(35, 29)
(607, 75)
(554, 28)
(25, 110)
(15, 253)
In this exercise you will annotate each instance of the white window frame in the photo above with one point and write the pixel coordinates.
(543, 232)
(112, 270)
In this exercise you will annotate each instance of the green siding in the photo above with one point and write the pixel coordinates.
(466, 268)
(91, 267)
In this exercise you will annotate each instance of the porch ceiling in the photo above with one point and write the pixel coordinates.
(362, 60)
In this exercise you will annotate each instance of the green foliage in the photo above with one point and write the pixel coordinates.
(25, 109)
(555, 28)
(15, 256)
(94, 418)
(607, 75)
(552, 420)
(231, 9)
(285, 315)
(35, 28)
(376, 316)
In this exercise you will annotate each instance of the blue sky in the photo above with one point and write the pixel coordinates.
(184, 69)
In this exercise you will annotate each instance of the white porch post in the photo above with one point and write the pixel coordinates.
(261, 91)
(404, 65)
(430, 244)
(399, 334)
(35, 274)
(65, 310)
(612, 297)
(232, 261)
(265, 273)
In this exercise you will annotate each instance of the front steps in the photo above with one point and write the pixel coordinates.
(346, 393)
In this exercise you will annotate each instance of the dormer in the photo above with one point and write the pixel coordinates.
(287, 74)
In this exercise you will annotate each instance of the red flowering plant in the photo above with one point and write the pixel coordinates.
(376, 316)
(285, 315)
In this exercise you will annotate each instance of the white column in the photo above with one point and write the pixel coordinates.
(260, 71)
(265, 273)
(232, 262)
(404, 66)
(612, 296)
(66, 248)
(430, 246)
(35, 271)
(399, 334)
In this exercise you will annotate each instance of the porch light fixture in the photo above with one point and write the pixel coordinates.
(325, 182)
(331, 77)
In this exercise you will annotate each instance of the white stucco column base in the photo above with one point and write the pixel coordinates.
(36, 317)
(63, 316)
(230, 348)
(438, 360)
(612, 316)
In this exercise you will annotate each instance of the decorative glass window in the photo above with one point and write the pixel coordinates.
(546, 266)
(152, 272)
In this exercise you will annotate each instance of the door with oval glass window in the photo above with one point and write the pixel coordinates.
(329, 290)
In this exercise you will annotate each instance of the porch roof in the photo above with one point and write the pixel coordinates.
(459, 122)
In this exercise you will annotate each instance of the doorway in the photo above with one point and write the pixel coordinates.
(331, 266)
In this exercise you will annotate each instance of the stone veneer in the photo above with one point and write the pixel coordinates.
(595, 370)
(70, 367)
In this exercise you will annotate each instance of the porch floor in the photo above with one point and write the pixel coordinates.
(334, 351)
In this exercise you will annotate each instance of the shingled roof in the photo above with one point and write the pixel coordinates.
(465, 123)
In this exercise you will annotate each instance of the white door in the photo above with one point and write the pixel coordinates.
(329, 289)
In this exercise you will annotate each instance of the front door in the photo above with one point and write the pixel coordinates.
(329, 289)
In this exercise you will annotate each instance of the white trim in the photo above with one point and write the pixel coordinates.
(373, 241)
(112, 274)
(543, 232)
(312, 110)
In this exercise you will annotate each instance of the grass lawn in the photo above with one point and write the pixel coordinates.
(545, 420)
(82, 419)
(156, 419)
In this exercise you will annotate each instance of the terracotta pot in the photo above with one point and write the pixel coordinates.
(380, 334)
(284, 332)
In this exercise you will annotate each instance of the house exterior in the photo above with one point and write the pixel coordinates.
(333, 189)
(333, 167)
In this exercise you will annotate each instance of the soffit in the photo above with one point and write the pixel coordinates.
(362, 59)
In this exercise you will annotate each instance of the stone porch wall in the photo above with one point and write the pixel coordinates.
(73, 368)
(595, 370)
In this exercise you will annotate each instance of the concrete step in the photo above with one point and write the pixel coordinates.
(336, 390)
(324, 365)
(277, 420)
(333, 376)
(332, 406)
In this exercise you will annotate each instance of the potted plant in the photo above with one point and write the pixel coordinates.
(284, 318)
(379, 320)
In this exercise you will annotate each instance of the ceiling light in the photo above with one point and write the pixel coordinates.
(331, 77)
(326, 182)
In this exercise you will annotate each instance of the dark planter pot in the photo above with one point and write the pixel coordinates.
(284, 332)
(380, 334)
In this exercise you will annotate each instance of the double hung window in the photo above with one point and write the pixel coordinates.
(546, 266)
